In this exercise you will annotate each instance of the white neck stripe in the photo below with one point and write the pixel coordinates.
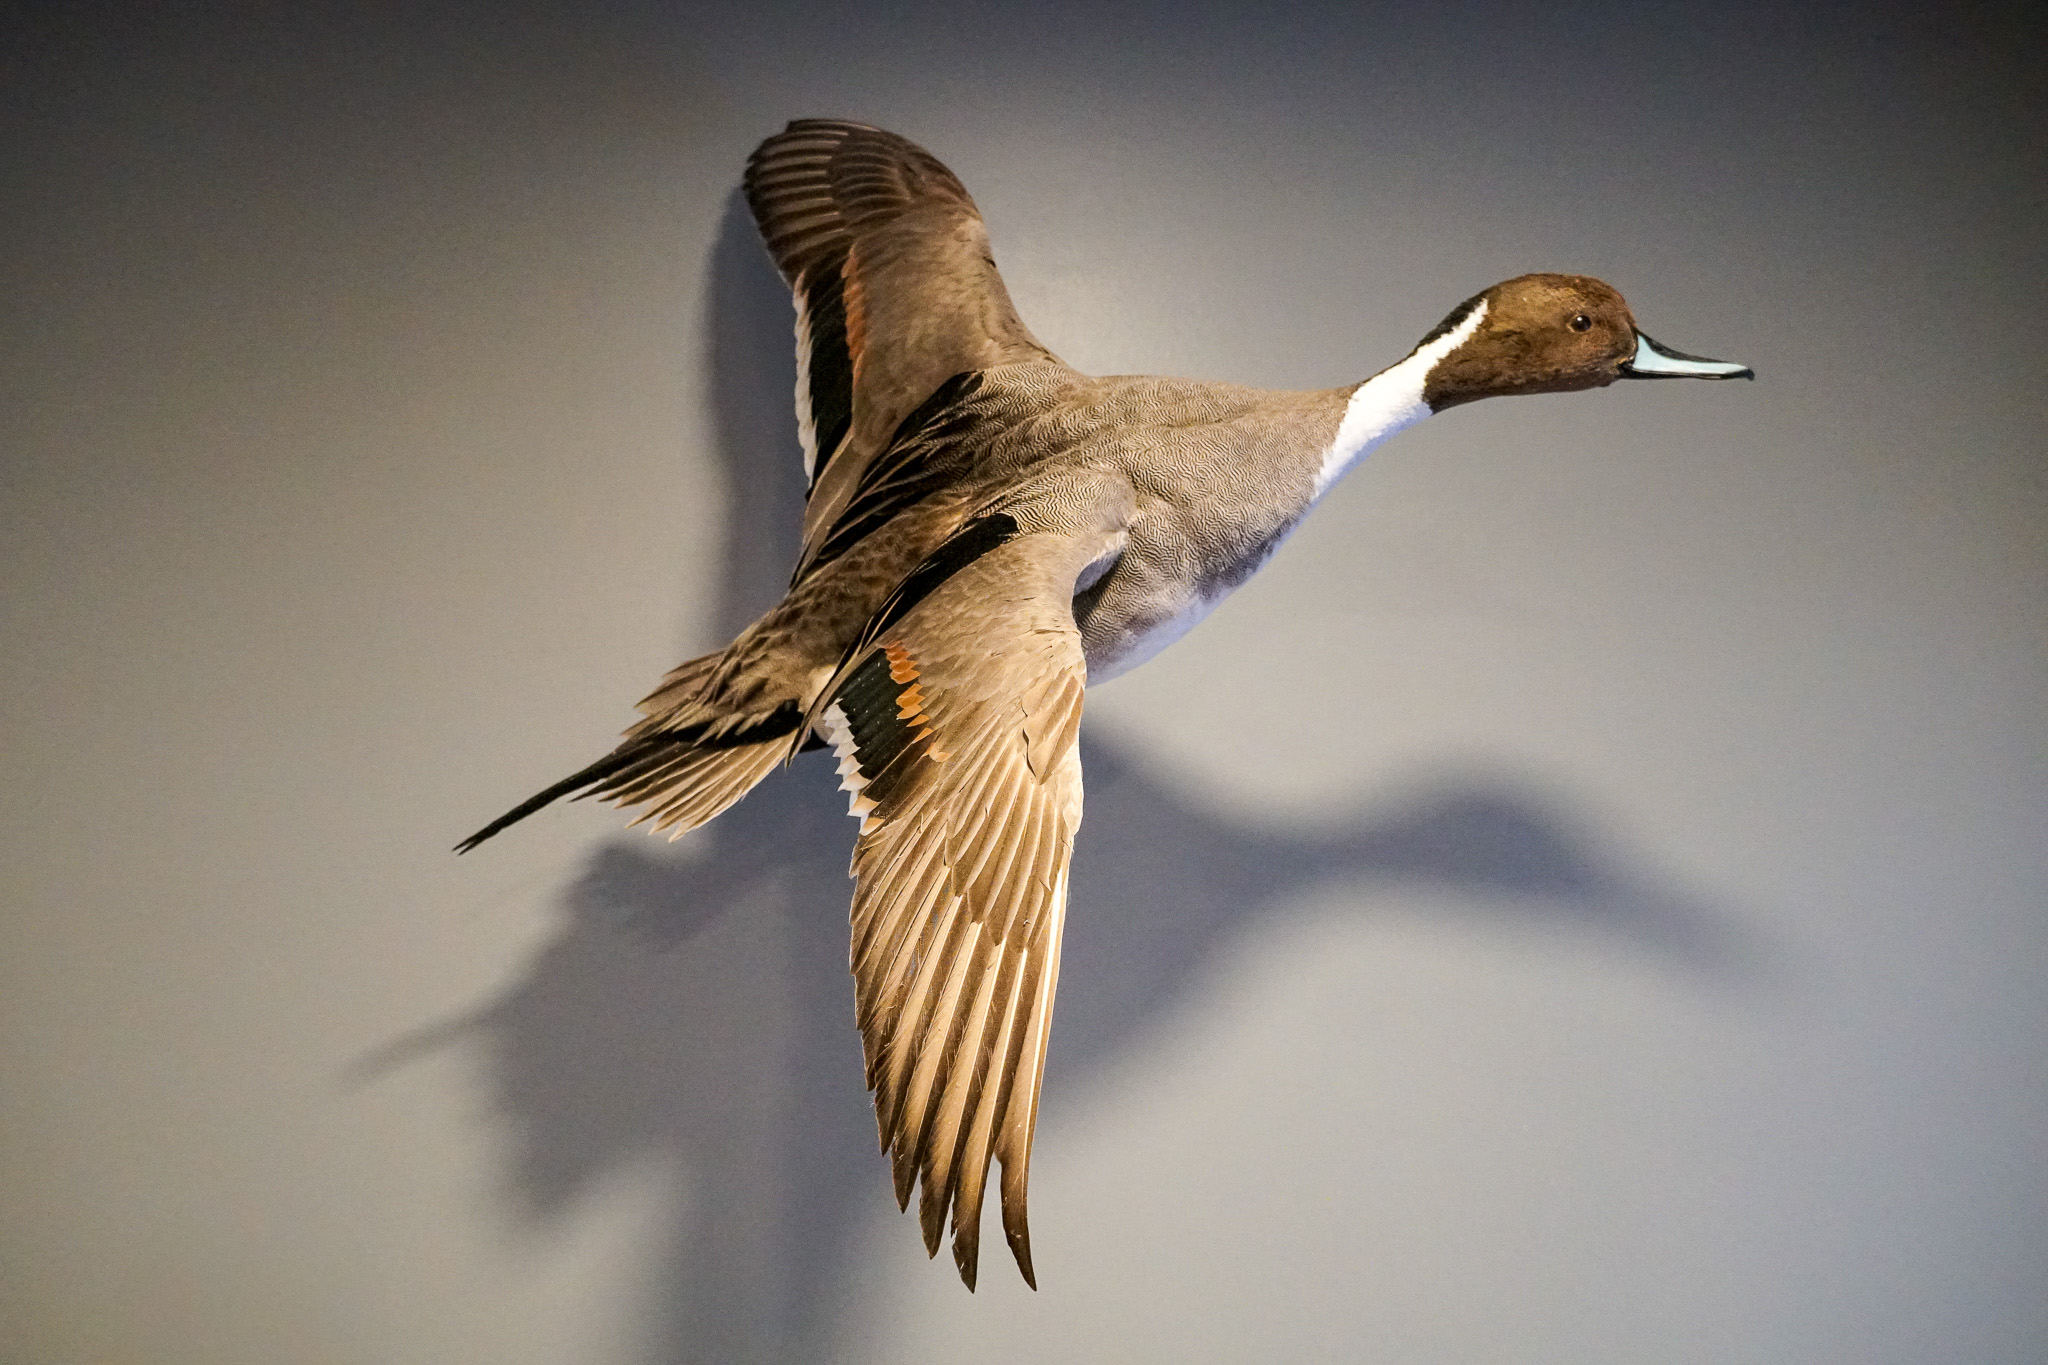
(1390, 401)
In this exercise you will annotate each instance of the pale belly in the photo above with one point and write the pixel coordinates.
(1178, 565)
(1117, 644)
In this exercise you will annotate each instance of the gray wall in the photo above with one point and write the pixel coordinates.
(1583, 902)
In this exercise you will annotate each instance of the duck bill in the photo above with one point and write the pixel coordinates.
(1652, 361)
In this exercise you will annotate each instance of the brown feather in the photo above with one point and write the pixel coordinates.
(961, 871)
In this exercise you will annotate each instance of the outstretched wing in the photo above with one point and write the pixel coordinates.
(955, 725)
(896, 291)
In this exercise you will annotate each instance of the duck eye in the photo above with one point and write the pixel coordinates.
(1581, 323)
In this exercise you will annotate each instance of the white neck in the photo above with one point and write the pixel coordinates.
(1388, 402)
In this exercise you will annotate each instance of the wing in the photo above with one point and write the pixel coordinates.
(896, 292)
(955, 724)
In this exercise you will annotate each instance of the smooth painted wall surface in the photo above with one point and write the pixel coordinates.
(1584, 901)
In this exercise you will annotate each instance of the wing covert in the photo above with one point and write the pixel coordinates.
(895, 287)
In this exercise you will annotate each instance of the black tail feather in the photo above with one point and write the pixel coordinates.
(625, 756)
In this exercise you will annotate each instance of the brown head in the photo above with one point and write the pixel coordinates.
(1549, 334)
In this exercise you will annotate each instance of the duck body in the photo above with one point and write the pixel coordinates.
(987, 532)
(1201, 482)
(1212, 498)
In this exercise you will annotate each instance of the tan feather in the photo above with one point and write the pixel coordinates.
(961, 871)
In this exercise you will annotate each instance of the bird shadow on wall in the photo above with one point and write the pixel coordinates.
(695, 1010)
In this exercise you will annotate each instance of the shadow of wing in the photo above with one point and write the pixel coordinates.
(696, 1009)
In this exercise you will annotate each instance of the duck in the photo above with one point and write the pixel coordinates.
(986, 533)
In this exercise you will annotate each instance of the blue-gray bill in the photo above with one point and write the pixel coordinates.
(1652, 361)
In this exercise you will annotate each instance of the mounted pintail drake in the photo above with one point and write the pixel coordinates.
(988, 531)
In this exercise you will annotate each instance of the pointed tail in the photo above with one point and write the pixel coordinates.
(683, 777)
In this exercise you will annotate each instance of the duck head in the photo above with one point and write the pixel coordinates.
(1548, 334)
